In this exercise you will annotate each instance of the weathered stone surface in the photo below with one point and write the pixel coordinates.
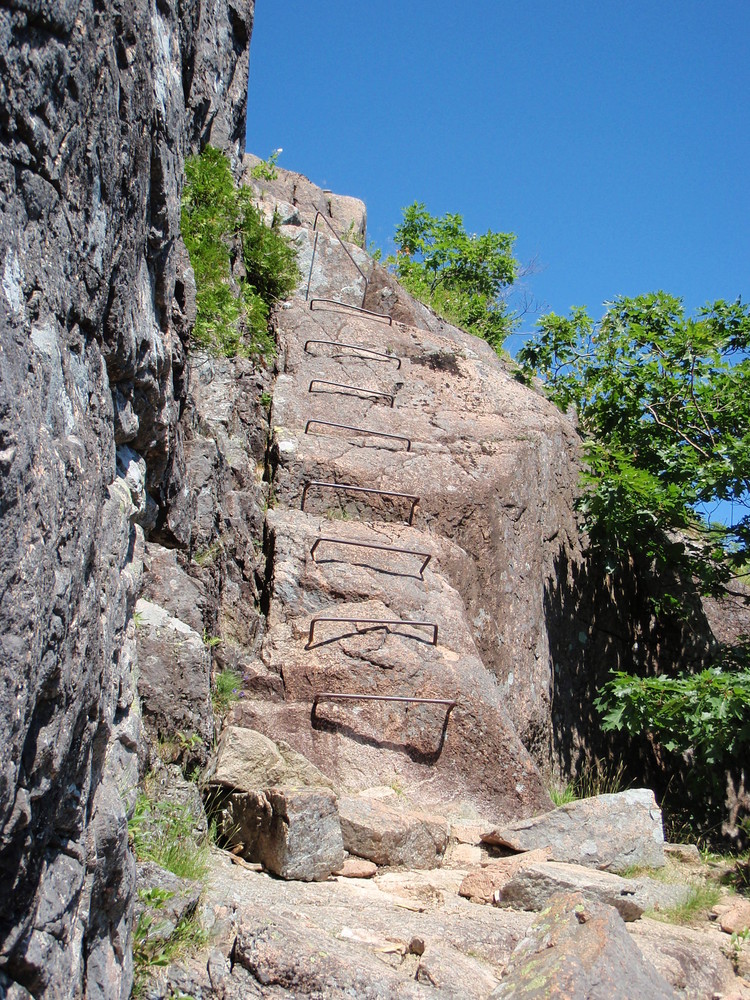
(390, 836)
(175, 676)
(167, 584)
(175, 898)
(247, 760)
(294, 833)
(534, 886)
(100, 104)
(687, 854)
(357, 868)
(580, 950)
(482, 885)
(612, 832)
(441, 968)
(347, 215)
(689, 958)
(734, 916)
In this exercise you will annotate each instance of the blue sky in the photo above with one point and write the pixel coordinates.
(611, 137)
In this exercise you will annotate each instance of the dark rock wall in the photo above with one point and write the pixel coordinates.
(99, 104)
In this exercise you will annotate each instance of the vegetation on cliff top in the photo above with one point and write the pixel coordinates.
(241, 265)
(460, 275)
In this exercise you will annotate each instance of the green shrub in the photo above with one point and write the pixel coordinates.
(221, 226)
(460, 275)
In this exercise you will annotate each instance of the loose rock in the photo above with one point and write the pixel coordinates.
(248, 761)
(294, 833)
(534, 886)
(388, 836)
(613, 832)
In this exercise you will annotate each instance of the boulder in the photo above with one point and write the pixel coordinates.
(294, 833)
(248, 761)
(689, 958)
(612, 832)
(533, 886)
(579, 950)
(389, 836)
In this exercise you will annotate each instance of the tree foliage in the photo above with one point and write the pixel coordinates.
(460, 275)
(221, 226)
(663, 404)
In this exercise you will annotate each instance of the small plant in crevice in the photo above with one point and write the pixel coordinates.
(154, 946)
(242, 266)
(266, 169)
(227, 690)
(210, 641)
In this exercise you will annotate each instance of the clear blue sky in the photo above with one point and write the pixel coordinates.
(612, 137)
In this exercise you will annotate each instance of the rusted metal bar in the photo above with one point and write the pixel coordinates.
(334, 305)
(355, 347)
(359, 430)
(355, 388)
(361, 489)
(372, 545)
(330, 696)
(371, 621)
(319, 215)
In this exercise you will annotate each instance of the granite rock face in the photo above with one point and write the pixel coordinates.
(98, 107)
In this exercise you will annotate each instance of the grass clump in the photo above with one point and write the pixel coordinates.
(596, 778)
(222, 229)
(164, 832)
(227, 687)
(700, 900)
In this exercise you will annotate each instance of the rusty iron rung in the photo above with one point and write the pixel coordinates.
(355, 388)
(372, 545)
(319, 215)
(344, 306)
(331, 695)
(359, 430)
(371, 621)
(354, 347)
(361, 489)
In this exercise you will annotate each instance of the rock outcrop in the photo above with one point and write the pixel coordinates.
(98, 107)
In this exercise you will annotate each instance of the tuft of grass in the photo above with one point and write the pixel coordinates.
(164, 832)
(562, 794)
(699, 902)
(595, 779)
(227, 687)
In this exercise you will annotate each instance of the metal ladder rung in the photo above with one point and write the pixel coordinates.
(370, 621)
(359, 430)
(361, 489)
(372, 545)
(335, 306)
(354, 347)
(354, 388)
(332, 696)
